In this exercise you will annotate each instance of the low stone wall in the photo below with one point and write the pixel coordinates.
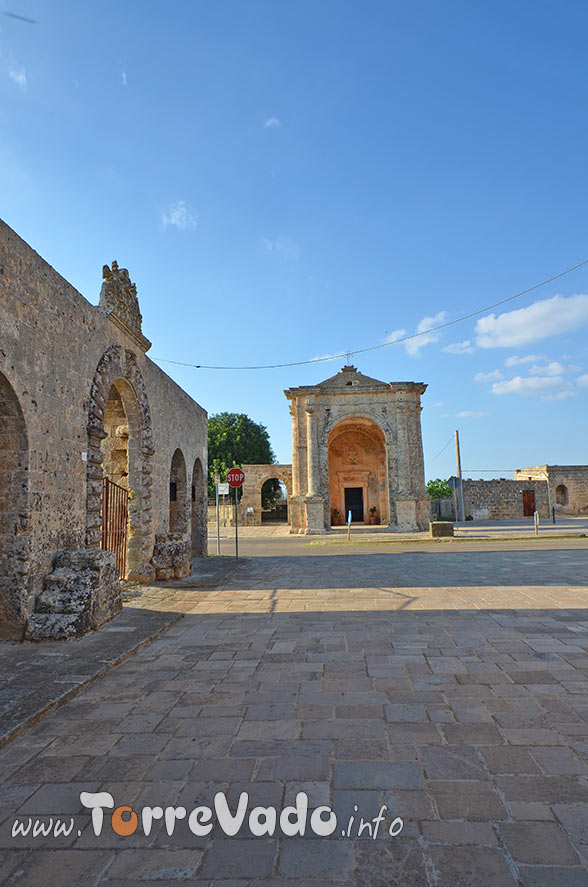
(80, 594)
(226, 515)
(502, 499)
(172, 556)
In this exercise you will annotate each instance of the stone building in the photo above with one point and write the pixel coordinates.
(103, 458)
(568, 485)
(357, 445)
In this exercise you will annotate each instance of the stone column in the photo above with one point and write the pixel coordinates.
(295, 444)
(314, 503)
(406, 505)
(311, 454)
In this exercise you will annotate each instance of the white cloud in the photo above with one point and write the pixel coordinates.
(517, 361)
(460, 348)
(582, 381)
(492, 376)
(554, 386)
(413, 346)
(123, 78)
(18, 76)
(179, 215)
(554, 368)
(272, 123)
(395, 335)
(471, 414)
(539, 321)
(326, 357)
(284, 245)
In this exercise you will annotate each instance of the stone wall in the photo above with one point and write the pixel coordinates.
(502, 499)
(60, 358)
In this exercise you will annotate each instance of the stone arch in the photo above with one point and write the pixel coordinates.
(279, 510)
(255, 477)
(562, 496)
(199, 510)
(119, 380)
(178, 494)
(358, 470)
(14, 514)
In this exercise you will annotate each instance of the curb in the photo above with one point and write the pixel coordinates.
(52, 706)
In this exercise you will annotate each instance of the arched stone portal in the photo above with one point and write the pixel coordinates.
(561, 495)
(355, 433)
(120, 447)
(250, 506)
(274, 501)
(14, 514)
(357, 472)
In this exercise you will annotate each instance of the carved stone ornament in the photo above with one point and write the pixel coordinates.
(118, 299)
(352, 455)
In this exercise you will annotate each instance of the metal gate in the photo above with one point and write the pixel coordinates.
(115, 515)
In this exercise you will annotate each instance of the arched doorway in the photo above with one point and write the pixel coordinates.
(178, 499)
(120, 472)
(199, 502)
(120, 448)
(274, 501)
(561, 495)
(358, 477)
(14, 514)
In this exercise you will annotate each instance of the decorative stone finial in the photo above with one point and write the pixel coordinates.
(118, 298)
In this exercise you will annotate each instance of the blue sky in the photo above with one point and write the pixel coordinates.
(291, 180)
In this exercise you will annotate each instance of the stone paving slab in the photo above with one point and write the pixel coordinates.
(38, 677)
(461, 707)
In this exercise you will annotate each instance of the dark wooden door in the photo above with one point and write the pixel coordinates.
(354, 503)
(528, 503)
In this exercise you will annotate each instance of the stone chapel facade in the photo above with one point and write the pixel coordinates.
(357, 445)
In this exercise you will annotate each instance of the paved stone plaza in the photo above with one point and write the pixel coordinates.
(450, 685)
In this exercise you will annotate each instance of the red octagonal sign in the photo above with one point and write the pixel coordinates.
(235, 477)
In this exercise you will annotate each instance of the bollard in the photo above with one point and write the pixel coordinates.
(536, 519)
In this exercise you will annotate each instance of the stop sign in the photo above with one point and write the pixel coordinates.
(235, 477)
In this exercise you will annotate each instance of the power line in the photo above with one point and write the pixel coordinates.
(442, 451)
(433, 329)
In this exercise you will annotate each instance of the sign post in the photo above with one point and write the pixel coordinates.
(216, 483)
(235, 477)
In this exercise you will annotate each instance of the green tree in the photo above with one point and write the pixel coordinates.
(438, 489)
(235, 439)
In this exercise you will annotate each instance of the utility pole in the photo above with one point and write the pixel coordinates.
(460, 503)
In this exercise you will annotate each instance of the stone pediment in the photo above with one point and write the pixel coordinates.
(119, 301)
(350, 377)
(349, 380)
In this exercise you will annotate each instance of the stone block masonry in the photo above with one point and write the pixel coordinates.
(82, 404)
(505, 499)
